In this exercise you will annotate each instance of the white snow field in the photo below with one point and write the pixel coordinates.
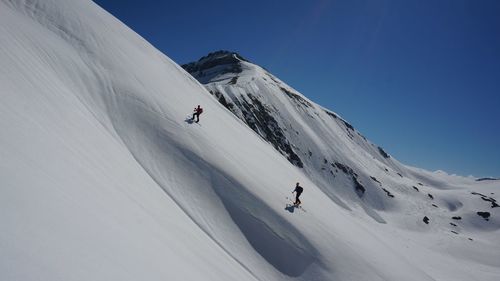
(101, 177)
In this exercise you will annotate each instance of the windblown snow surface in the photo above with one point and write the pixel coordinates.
(103, 179)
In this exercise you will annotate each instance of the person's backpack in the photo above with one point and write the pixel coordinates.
(200, 111)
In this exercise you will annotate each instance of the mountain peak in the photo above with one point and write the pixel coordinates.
(231, 61)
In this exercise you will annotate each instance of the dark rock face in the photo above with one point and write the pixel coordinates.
(485, 215)
(233, 80)
(333, 115)
(298, 99)
(258, 117)
(457, 218)
(349, 126)
(430, 196)
(230, 59)
(434, 205)
(383, 153)
(453, 224)
(416, 188)
(222, 100)
(426, 220)
(345, 169)
(358, 187)
(364, 138)
(349, 129)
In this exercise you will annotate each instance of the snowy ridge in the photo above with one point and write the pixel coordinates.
(102, 178)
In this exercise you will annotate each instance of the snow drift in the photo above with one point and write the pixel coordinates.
(102, 178)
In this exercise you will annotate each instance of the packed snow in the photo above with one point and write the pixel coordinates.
(103, 177)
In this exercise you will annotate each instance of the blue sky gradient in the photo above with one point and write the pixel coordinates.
(420, 78)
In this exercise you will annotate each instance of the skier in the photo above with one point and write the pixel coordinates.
(298, 190)
(197, 111)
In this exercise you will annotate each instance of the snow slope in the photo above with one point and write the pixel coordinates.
(355, 173)
(102, 178)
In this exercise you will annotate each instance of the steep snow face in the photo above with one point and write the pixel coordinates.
(103, 177)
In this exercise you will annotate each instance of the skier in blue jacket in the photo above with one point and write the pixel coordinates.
(298, 191)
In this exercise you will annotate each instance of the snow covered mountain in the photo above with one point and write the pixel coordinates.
(102, 178)
(348, 168)
(334, 155)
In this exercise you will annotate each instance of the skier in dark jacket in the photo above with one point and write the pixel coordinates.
(197, 111)
(298, 190)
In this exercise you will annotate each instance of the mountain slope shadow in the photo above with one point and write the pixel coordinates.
(274, 238)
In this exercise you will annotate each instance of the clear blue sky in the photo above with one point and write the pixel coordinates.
(420, 78)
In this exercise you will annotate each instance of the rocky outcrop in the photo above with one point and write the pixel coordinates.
(492, 200)
(383, 153)
(229, 60)
(484, 215)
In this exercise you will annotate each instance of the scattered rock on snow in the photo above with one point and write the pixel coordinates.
(374, 179)
(233, 80)
(492, 200)
(485, 215)
(388, 193)
(426, 220)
